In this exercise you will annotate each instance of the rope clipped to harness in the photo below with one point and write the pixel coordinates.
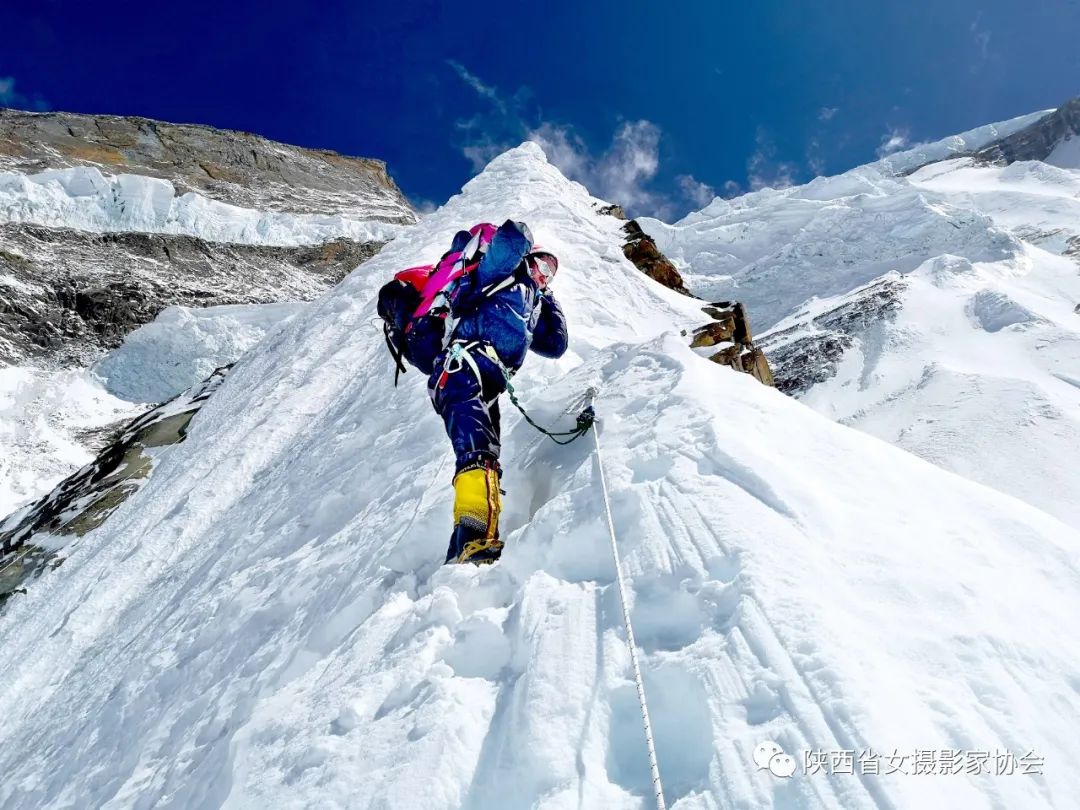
(585, 419)
(458, 355)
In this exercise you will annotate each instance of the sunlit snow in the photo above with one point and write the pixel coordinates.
(266, 623)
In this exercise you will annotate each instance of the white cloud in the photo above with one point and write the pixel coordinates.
(764, 170)
(700, 194)
(424, 206)
(895, 140)
(483, 90)
(622, 173)
(632, 161)
(563, 148)
(827, 113)
(731, 189)
(480, 153)
(814, 158)
(981, 36)
(10, 97)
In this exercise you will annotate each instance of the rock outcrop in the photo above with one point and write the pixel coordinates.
(613, 210)
(641, 249)
(67, 296)
(727, 340)
(808, 352)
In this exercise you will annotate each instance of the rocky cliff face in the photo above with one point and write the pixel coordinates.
(1037, 141)
(808, 351)
(640, 248)
(67, 296)
(234, 167)
(105, 221)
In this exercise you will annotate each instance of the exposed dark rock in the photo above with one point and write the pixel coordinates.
(802, 364)
(713, 333)
(84, 500)
(1037, 141)
(612, 210)
(235, 167)
(730, 333)
(66, 296)
(730, 329)
(809, 352)
(641, 249)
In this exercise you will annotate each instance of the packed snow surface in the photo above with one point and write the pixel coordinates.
(43, 413)
(182, 346)
(85, 199)
(1066, 154)
(266, 624)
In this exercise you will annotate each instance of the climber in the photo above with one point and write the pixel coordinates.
(468, 322)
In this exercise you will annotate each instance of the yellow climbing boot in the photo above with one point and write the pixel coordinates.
(477, 504)
(477, 501)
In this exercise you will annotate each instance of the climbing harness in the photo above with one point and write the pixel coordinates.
(631, 644)
(459, 356)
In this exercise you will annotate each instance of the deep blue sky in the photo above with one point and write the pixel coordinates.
(732, 94)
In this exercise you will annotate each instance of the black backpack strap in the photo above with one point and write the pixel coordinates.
(395, 352)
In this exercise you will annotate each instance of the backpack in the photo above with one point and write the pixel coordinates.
(421, 305)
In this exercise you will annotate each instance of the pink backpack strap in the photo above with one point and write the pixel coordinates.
(453, 266)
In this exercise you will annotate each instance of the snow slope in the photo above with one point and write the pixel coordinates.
(47, 414)
(86, 199)
(1066, 154)
(773, 250)
(976, 366)
(265, 623)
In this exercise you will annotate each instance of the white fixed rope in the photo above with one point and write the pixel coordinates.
(630, 642)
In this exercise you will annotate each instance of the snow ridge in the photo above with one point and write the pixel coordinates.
(265, 623)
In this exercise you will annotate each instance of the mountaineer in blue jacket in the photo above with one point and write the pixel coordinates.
(491, 291)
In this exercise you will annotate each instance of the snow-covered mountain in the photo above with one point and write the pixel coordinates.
(107, 221)
(265, 623)
(238, 168)
(930, 299)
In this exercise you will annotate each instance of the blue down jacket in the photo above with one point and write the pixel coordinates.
(516, 318)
